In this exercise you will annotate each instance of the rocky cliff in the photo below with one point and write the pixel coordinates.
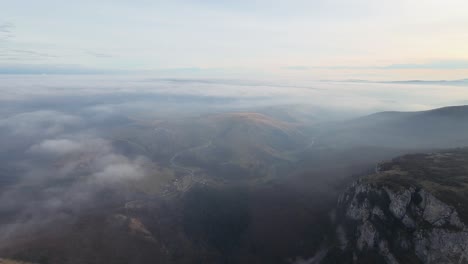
(412, 210)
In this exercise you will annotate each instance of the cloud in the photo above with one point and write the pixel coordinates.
(83, 166)
(40, 123)
(297, 68)
(52, 69)
(121, 170)
(56, 147)
(113, 96)
(24, 54)
(6, 27)
(439, 65)
(99, 54)
(434, 65)
(81, 159)
(94, 157)
(6, 31)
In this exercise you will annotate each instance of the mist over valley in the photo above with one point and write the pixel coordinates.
(129, 170)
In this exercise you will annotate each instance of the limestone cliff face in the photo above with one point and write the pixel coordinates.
(404, 225)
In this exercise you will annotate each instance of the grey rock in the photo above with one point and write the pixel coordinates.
(399, 202)
(441, 246)
(436, 212)
(376, 211)
(429, 229)
(367, 236)
(408, 222)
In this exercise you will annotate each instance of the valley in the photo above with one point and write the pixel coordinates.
(238, 187)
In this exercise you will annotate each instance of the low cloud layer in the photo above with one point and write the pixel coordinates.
(58, 150)
(108, 94)
(56, 147)
(60, 166)
(39, 123)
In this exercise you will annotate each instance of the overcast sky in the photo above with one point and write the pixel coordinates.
(317, 39)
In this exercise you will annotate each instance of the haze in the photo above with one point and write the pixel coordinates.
(186, 132)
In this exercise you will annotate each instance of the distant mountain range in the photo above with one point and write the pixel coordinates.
(439, 128)
(460, 82)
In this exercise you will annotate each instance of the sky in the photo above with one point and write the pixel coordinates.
(314, 39)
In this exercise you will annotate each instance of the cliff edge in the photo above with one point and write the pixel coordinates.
(413, 209)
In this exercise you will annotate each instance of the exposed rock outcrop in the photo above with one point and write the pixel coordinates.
(379, 220)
